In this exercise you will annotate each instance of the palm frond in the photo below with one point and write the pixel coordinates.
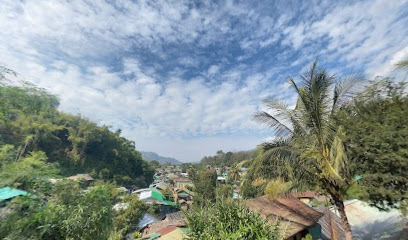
(281, 110)
(279, 128)
(346, 89)
(241, 164)
(293, 84)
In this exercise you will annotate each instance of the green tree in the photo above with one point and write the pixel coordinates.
(8, 153)
(126, 220)
(184, 167)
(227, 220)
(377, 142)
(309, 140)
(224, 191)
(69, 214)
(168, 195)
(155, 164)
(227, 159)
(205, 183)
(25, 172)
(30, 121)
(234, 174)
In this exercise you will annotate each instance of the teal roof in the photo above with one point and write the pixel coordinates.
(7, 193)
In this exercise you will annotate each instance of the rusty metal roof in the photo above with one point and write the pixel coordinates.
(332, 227)
(307, 194)
(293, 215)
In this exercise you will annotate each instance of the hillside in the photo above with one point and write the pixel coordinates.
(150, 156)
(32, 125)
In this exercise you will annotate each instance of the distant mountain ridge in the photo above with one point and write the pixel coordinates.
(150, 156)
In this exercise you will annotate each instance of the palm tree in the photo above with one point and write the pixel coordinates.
(234, 174)
(309, 143)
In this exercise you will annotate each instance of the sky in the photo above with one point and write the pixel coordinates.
(184, 78)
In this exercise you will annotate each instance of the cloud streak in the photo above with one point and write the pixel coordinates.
(181, 78)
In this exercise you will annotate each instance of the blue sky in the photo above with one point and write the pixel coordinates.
(182, 78)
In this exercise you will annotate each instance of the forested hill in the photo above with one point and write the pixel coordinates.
(228, 158)
(30, 123)
(150, 156)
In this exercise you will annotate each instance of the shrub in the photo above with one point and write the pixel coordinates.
(228, 220)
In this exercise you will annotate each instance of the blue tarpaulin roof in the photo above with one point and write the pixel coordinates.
(7, 193)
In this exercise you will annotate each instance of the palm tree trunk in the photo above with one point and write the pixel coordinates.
(338, 201)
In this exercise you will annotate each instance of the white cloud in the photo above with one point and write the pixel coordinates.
(365, 33)
(185, 79)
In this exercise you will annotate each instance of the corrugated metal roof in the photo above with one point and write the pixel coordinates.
(370, 223)
(332, 227)
(7, 193)
(155, 227)
(147, 219)
(175, 216)
(294, 216)
(151, 194)
(166, 230)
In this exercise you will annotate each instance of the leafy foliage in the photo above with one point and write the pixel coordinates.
(70, 214)
(227, 220)
(205, 183)
(26, 172)
(377, 141)
(277, 186)
(224, 191)
(227, 159)
(30, 121)
(126, 219)
(310, 144)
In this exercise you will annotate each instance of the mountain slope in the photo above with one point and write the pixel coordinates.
(150, 156)
(30, 123)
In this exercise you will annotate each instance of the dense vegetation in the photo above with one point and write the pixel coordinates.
(377, 143)
(229, 159)
(37, 142)
(227, 220)
(69, 212)
(30, 122)
(337, 140)
(205, 183)
(335, 135)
